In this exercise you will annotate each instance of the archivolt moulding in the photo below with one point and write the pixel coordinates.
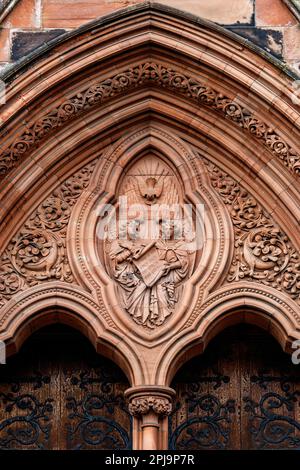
(151, 74)
(237, 88)
(214, 74)
(233, 80)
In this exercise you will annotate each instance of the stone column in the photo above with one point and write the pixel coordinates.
(150, 407)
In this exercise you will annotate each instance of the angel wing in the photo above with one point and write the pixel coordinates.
(170, 194)
(131, 190)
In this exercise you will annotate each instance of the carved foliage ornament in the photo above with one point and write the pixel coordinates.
(38, 252)
(262, 252)
(153, 74)
(142, 405)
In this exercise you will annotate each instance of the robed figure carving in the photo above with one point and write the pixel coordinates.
(150, 272)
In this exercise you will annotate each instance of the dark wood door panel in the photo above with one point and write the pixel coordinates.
(57, 393)
(242, 393)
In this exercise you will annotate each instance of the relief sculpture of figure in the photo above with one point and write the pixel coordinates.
(149, 271)
(150, 274)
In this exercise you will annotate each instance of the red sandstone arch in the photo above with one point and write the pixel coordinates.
(205, 53)
(153, 65)
(70, 305)
(230, 305)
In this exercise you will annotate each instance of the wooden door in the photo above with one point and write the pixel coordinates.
(242, 393)
(57, 393)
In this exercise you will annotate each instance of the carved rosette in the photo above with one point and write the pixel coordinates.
(262, 251)
(161, 406)
(37, 253)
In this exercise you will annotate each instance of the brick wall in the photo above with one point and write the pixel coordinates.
(267, 23)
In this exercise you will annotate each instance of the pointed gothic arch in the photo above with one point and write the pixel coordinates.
(150, 77)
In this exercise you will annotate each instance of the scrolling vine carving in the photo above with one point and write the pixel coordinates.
(38, 252)
(153, 74)
(263, 251)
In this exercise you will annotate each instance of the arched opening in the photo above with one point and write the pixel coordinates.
(79, 114)
(58, 393)
(241, 393)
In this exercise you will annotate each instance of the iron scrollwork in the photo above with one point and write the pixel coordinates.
(37, 380)
(93, 421)
(272, 424)
(30, 427)
(208, 420)
(101, 378)
(96, 430)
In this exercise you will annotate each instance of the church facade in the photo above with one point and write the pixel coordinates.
(150, 207)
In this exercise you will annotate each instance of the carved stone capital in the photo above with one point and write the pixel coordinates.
(142, 406)
(146, 399)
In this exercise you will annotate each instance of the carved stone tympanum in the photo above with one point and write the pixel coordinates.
(150, 257)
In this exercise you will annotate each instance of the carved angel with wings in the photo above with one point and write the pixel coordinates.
(149, 272)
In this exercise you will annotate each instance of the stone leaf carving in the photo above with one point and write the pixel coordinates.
(155, 74)
(38, 252)
(149, 269)
(142, 405)
(263, 251)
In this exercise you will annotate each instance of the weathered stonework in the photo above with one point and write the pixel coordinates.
(22, 43)
(175, 111)
(266, 23)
